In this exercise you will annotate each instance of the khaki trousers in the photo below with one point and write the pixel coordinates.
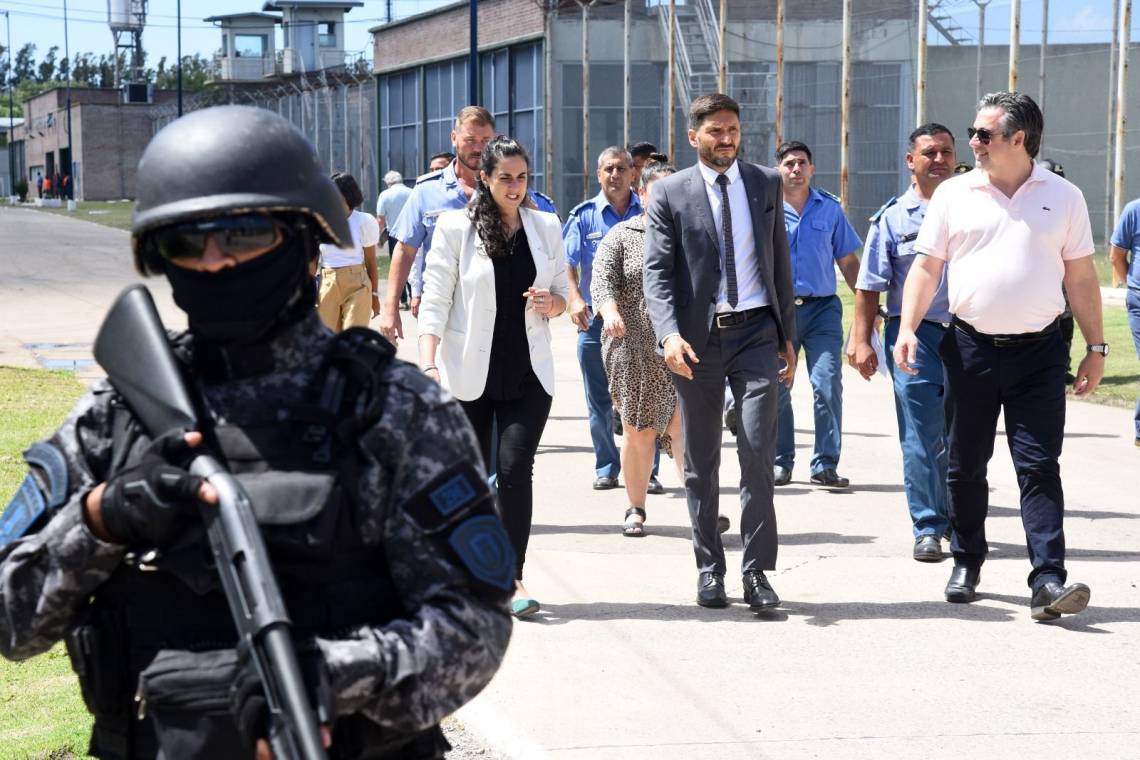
(346, 297)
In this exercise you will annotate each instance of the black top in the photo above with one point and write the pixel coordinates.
(510, 349)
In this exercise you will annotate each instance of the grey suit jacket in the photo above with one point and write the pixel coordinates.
(682, 254)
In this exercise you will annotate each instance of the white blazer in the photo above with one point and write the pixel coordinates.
(459, 304)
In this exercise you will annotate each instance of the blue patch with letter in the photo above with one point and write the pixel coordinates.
(452, 495)
(482, 546)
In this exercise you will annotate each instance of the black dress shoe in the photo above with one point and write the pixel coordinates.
(655, 487)
(963, 584)
(928, 549)
(781, 476)
(758, 593)
(710, 590)
(604, 484)
(1052, 600)
(830, 479)
(730, 420)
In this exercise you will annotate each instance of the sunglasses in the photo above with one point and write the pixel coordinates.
(234, 235)
(984, 135)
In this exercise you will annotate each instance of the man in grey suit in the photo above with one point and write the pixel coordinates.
(718, 284)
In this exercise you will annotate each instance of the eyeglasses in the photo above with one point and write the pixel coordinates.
(234, 235)
(984, 135)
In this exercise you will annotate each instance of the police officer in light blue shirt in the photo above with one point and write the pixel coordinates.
(587, 224)
(434, 193)
(1125, 256)
(887, 259)
(820, 238)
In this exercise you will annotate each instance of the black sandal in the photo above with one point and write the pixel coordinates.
(632, 528)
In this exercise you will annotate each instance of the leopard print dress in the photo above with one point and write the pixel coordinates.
(639, 381)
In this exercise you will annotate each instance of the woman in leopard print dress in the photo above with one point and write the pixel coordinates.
(640, 386)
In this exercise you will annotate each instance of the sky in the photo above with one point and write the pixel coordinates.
(41, 22)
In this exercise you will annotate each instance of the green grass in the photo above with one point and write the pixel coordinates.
(41, 712)
(115, 214)
(1121, 383)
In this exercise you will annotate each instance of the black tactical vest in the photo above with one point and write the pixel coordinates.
(300, 474)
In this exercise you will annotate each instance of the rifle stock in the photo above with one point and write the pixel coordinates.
(133, 349)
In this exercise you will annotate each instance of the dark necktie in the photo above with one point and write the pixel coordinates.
(729, 250)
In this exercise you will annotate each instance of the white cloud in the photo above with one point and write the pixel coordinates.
(1087, 19)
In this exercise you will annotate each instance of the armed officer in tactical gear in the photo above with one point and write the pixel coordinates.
(383, 536)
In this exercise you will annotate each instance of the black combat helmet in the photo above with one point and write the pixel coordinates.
(233, 160)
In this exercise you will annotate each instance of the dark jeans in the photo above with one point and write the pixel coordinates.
(520, 424)
(1027, 380)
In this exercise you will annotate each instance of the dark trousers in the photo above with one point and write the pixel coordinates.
(746, 356)
(520, 425)
(1027, 381)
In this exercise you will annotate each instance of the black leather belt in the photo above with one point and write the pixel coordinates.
(736, 318)
(1000, 341)
(801, 300)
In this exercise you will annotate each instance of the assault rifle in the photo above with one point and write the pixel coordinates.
(132, 348)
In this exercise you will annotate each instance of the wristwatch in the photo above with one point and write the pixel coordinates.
(1097, 348)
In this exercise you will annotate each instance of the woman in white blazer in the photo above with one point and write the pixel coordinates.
(495, 276)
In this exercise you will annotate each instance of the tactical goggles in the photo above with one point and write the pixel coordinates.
(233, 235)
(984, 135)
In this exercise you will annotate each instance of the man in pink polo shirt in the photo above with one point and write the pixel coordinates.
(1009, 233)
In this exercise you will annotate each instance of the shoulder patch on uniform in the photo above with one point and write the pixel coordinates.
(482, 545)
(449, 495)
(827, 194)
(574, 211)
(22, 512)
(429, 175)
(882, 209)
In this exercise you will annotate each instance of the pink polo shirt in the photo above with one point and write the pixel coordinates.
(1005, 257)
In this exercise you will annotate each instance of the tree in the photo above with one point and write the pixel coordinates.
(24, 69)
(197, 72)
(47, 66)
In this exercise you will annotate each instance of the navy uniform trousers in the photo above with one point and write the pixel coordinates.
(1025, 377)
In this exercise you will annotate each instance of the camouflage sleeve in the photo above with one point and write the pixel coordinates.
(411, 673)
(46, 576)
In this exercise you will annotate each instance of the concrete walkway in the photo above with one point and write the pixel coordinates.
(864, 659)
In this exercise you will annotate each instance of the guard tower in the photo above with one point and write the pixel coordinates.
(313, 32)
(127, 19)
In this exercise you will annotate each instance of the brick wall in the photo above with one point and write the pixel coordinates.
(112, 143)
(445, 34)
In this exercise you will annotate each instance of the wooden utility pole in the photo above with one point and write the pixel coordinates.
(722, 73)
(845, 108)
(1109, 153)
(920, 67)
(627, 114)
(671, 85)
(779, 72)
(1121, 108)
(1014, 41)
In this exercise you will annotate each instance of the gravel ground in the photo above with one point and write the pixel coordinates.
(465, 745)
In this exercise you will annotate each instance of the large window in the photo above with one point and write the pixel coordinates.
(326, 31)
(445, 92)
(414, 127)
(400, 124)
(249, 45)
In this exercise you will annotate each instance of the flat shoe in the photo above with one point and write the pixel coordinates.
(524, 607)
(633, 528)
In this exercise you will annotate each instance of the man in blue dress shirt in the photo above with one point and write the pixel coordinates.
(1125, 256)
(918, 398)
(434, 193)
(820, 238)
(587, 224)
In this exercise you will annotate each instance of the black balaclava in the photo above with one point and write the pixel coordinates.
(249, 302)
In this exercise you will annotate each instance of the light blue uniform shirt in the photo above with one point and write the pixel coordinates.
(1127, 236)
(433, 194)
(890, 253)
(391, 203)
(588, 223)
(818, 237)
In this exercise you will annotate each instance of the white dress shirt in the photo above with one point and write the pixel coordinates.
(750, 290)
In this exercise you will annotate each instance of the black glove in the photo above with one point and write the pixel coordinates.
(247, 695)
(151, 501)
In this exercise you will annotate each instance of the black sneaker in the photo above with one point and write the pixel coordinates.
(655, 487)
